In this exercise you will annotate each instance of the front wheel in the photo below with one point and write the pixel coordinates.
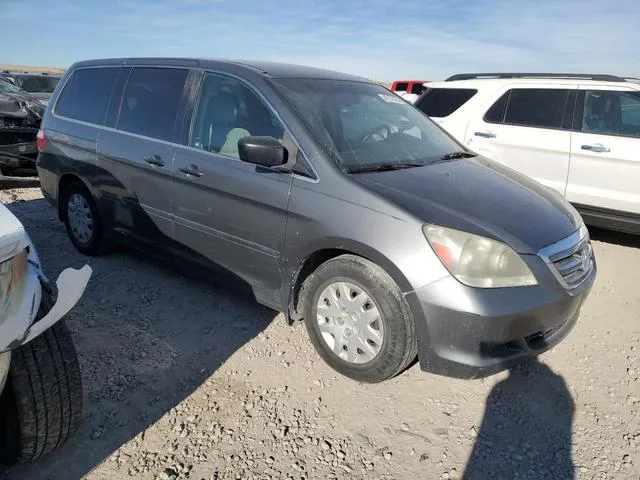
(41, 405)
(358, 320)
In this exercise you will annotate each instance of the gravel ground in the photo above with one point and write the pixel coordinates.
(188, 380)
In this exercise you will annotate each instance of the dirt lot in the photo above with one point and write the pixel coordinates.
(188, 380)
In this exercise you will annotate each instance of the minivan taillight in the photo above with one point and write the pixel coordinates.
(40, 140)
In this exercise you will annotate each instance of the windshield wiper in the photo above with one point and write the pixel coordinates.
(383, 167)
(460, 154)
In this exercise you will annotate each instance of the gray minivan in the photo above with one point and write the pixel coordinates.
(333, 199)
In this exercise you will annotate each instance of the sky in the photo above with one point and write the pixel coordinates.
(378, 39)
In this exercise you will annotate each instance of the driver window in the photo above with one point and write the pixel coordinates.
(612, 113)
(226, 111)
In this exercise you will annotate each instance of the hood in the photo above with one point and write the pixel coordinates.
(43, 97)
(479, 196)
(20, 106)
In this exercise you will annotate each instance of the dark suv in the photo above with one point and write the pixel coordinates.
(332, 198)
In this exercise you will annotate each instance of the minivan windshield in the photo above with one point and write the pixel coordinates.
(364, 126)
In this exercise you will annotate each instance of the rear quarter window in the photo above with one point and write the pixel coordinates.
(86, 94)
(442, 102)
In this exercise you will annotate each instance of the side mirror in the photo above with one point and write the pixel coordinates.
(264, 151)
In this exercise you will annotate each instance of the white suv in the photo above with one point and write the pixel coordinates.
(579, 134)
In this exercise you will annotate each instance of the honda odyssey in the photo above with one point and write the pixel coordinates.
(333, 199)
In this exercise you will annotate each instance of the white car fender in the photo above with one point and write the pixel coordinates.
(19, 310)
(71, 284)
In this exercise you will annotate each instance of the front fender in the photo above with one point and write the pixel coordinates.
(357, 248)
(22, 325)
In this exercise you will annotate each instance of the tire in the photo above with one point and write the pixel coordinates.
(96, 244)
(41, 405)
(399, 345)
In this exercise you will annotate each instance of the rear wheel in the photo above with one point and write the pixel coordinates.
(41, 405)
(82, 220)
(358, 320)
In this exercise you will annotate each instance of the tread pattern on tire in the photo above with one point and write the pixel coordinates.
(47, 386)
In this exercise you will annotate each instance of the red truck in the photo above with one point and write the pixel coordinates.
(410, 86)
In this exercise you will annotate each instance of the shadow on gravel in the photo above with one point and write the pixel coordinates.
(526, 429)
(147, 337)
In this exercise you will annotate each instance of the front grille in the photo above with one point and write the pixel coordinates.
(571, 259)
(576, 266)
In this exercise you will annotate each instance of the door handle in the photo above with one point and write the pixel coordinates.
(485, 134)
(596, 147)
(155, 160)
(192, 170)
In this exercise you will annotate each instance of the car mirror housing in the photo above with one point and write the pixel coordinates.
(262, 150)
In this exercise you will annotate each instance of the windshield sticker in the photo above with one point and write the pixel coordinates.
(391, 98)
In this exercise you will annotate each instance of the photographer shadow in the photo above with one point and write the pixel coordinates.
(526, 429)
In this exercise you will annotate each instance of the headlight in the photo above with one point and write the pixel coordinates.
(478, 261)
(13, 275)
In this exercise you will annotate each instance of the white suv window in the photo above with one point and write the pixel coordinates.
(612, 113)
(533, 107)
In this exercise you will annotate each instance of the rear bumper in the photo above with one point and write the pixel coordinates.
(468, 332)
(19, 155)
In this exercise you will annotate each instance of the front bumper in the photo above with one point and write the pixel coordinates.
(467, 332)
(70, 286)
(42, 304)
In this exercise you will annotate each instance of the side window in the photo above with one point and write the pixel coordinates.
(417, 88)
(536, 107)
(496, 113)
(401, 87)
(442, 102)
(86, 94)
(150, 103)
(612, 112)
(226, 111)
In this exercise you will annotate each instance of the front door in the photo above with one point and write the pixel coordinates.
(527, 129)
(605, 151)
(231, 214)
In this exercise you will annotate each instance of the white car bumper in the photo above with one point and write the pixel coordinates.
(71, 284)
(21, 328)
(21, 290)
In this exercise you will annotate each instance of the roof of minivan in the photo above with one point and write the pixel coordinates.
(271, 69)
